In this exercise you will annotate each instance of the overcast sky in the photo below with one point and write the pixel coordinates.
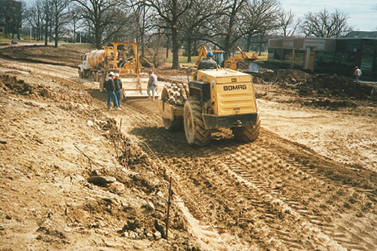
(362, 13)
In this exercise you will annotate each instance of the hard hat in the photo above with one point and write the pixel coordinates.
(111, 73)
(210, 54)
(116, 74)
(150, 71)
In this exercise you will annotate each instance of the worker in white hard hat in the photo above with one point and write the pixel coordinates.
(118, 88)
(110, 90)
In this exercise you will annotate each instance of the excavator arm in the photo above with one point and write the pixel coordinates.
(202, 54)
(218, 55)
(147, 62)
(247, 55)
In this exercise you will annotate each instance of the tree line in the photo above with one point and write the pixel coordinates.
(174, 24)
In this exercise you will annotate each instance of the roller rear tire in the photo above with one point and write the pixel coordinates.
(247, 133)
(195, 131)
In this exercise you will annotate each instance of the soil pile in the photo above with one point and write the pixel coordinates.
(307, 84)
(60, 92)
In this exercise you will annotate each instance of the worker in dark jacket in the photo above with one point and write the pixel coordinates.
(110, 91)
(118, 88)
(208, 63)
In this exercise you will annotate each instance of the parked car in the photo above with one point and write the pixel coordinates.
(14, 42)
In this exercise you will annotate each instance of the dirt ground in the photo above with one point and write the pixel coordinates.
(75, 176)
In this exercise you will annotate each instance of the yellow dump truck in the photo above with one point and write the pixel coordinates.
(220, 98)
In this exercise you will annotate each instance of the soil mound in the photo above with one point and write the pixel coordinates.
(307, 84)
(12, 85)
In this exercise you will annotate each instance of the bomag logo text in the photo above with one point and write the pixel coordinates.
(235, 87)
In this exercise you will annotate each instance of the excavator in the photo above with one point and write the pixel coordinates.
(218, 56)
(240, 61)
(235, 63)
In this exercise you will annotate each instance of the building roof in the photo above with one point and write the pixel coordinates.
(301, 43)
(361, 34)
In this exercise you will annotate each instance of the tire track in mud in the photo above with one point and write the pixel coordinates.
(315, 219)
(271, 193)
(266, 168)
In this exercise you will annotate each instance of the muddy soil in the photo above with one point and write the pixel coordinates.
(75, 176)
(43, 54)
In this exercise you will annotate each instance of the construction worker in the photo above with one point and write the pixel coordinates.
(110, 90)
(118, 88)
(207, 63)
(357, 74)
(152, 84)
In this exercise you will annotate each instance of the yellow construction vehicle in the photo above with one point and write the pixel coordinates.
(240, 61)
(220, 98)
(122, 58)
(218, 56)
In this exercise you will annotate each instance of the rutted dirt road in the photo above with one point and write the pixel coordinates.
(308, 183)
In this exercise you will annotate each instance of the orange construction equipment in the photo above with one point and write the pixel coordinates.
(241, 61)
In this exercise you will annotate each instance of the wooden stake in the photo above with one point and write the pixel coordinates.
(115, 145)
(167, 217)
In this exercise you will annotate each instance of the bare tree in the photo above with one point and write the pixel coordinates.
(288, 23)
(143, 18)
(100, 16)
(226, 28)
(47, 15)
(59, 17)
(33, 15)
(194, 24)
(325, 24)
(154, 50)
(19, 16)
(169, 13)
(74, 18)
(259, 17)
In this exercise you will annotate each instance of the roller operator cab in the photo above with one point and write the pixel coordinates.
(221, 98)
